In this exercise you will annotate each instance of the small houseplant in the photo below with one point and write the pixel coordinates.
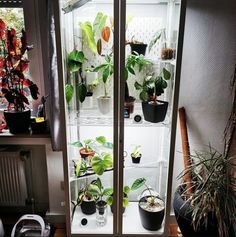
(106, 69)
(153, 86)
(85, 200)
(138, 183)
(151, 209)
(137, 46)
(86, 149)
(133, 61)
(136, 155)
(14, 84)
(209, 209)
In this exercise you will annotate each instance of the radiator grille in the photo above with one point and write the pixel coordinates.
(13, 187)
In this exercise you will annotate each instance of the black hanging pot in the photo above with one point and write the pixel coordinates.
(136, 160)
(88, 207)
(18, 122)
(155, 113)
(183, 214)
(151, 216)
(138, 48)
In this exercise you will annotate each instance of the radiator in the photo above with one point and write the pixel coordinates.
(13, 185)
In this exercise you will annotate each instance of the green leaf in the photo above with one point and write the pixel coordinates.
(82, 91)
(99, 23)
(126, 189)
(156, 37)
(98, 68)
(88, 31)
(93, 189)
(75, 60)
(77, 144)
(98, 165)
(108, 162)
(144, 96)
(110, 200)
(166, 74)
(105, 74)
(77, 169)
(101, 140)
(126, 74)
(69, 91)
(125, 202)
(108, 191)
(138, 183)
(138, 86)
(131, 70)
(108, 145)
(99, 183)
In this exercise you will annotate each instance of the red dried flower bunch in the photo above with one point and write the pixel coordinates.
(14, 85)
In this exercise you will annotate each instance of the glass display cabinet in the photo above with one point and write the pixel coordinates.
(121, 79)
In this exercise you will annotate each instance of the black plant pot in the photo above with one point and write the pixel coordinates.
(88, 207)
(151, 220)
(18, 122)
(136, 160)
(183, 215)
(123, 209)
(155, 113)
(139, 48)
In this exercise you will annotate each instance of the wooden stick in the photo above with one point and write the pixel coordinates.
(185, 148)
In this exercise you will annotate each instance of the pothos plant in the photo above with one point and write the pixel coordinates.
(153, 86)
(14, 84)
(75, 60)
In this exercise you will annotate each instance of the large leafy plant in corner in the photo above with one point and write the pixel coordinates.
(14, 84)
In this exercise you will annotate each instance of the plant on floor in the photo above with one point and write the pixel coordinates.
(150, 89)
(15, 85)
(138, 183)
(210, 207)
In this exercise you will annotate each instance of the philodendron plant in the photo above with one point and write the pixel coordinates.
(75, 59)
(138, 183)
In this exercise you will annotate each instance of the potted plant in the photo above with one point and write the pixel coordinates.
(98, 192)
(136, 155)
(133, 61)
(14, 84)
(106, 69)
(209, 209)
(85, 200)
(138, 183)
(137, 47)
(151, 209)
(154, 110)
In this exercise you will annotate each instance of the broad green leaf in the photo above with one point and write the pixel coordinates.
(75, 60)
(108, 191)
(69, 90)
(126, 189)
(88, 31)
(99, 23)
(101, 139)
(93, 189)
(166, 74)
(99, 183)
(98, 165)
(88, 141)
(82, 91)
(144, 96)
(78, 144)
(108, 162)
(131, 70)
(98, 68)
(138, 183)
(110, 200)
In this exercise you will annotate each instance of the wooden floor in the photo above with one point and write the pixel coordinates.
(61, 231)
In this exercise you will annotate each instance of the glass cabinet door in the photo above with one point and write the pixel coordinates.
(119, 83)
(88, 42)
(150, 59)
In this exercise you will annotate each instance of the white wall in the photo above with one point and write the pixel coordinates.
(209, 56)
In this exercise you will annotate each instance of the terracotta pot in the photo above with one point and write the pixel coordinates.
(85, 154)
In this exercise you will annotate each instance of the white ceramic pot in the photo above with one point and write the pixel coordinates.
(104, 104)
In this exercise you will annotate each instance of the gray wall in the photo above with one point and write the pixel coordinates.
(209, 56)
